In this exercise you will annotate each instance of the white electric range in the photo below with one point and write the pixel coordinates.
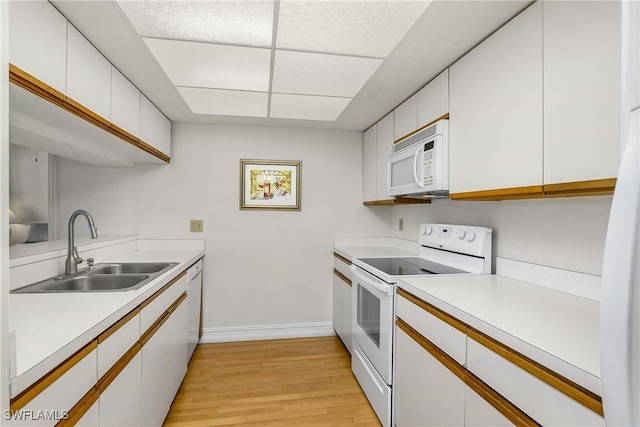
(444, 249)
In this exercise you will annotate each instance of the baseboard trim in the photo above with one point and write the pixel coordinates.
(267, 332)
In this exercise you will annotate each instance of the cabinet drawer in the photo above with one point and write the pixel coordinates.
(542, 402)
(153, 308)
(342, 265)
(62, 393)
(115, 341)
(444, 331)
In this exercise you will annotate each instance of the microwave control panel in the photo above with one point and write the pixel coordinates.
(428, 162)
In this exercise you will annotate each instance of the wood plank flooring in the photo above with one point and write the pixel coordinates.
(295, 382)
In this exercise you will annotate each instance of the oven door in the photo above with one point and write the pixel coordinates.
(372, 314)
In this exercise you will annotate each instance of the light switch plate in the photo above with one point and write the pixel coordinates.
(196, 226)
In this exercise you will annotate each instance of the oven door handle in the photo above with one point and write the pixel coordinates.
(387, 289)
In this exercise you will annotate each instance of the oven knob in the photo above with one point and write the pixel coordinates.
(429, 231)
(461, 234)
(471, 237)
(426, 230)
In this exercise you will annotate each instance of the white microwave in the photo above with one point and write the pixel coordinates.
(419, 164)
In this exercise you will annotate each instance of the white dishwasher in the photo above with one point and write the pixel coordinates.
(194, 306)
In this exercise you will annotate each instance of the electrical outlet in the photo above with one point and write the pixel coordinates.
(196, 226)
(400, 224)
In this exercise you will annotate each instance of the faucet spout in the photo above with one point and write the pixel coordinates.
(73, 259)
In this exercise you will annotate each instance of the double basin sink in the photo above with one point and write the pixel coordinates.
(103, 278)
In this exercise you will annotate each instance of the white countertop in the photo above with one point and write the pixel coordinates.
(556, 329)
(51, 327)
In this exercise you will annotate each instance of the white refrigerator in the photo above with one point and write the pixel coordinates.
(620, 299)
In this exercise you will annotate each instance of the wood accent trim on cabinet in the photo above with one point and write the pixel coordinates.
(398, 200)
(581, 188)
(529, 192)
(502, 405)
(39, 386)
(164, 288)
(118, 367)
(341, 258)
(146, 336)
(444, 116)
(344, 278)
(177, 302)
(120, 323)
(77, 412)
(445, 317)
(555, 380)
(37, 87)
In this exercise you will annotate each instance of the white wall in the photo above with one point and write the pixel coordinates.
(261, 267)
(107, 193)
(566, 233)
(29, 184)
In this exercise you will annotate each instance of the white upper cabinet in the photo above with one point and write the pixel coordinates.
(405, 117)
(38, 35)
(384, 133)
(155, 128)
(125, 103)
(88, 75)
(496, 109)
(369, 164)
(433, 99)
(581, 90)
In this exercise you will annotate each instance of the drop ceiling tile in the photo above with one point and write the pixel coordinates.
(233, 22)
(320, 74)
(285, 106)
(364, 28)
(225, 102)
(212, 65)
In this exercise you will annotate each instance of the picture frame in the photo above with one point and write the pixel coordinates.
(270, 184)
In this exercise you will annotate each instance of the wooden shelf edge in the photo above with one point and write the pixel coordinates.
(595, 187)
(529, 192)
(26, 81)
(397, 201)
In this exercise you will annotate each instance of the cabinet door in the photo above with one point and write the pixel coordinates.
(369, 165)
(177, 325)
(406, 118)
(125, 103)
(155, 128)
(91, 418)
(384, 143)
(38, 41)
(433, 99)
(479, 413)
(342, 310)
(496, 109)
(581, 90)
(426, 393)
(155, 378)
(120, 402)
(88, 75)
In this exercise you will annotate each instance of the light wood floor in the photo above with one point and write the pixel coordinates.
(295, 382)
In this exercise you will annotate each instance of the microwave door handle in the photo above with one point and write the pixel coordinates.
(416, 158)
(387, 289)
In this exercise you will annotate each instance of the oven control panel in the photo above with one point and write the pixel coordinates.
(464, 239)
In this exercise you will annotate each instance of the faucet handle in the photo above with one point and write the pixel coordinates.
(76, 255)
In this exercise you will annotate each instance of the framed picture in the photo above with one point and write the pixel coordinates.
(270, 184)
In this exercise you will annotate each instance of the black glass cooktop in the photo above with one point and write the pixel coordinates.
(409, 266)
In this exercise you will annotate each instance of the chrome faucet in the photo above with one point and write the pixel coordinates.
(73, 259)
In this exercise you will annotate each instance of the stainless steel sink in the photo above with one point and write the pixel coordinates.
(112, 277)
(129, 268)
(97, 283)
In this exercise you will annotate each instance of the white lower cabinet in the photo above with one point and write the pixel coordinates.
(120, 401)
(426, 393)
(342, 300)
(155, 391)
(177, 324)
(479, 413)
(90, 418)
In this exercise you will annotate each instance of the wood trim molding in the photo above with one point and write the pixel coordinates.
(120, 323)
(341, 258)
(177, 302)
(443, 117)
(26, 81)
(39, 386)
(445, 317)
(118, 367)
(397, 201)
(529, 192)
(596, 186)
(502, 405)
(144, 338)
(80, 408)
(555, 380)
(344, 278)
(164, 288)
